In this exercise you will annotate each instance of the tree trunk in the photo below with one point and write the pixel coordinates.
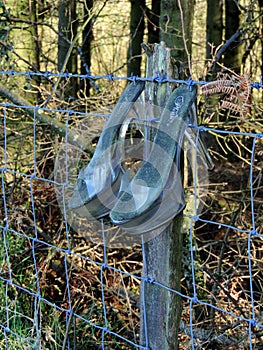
(35, 55)
(86, 47)
(233, 55)
(176, 22)
(153, 22)
(29, 10)
(163, 254)
(163, 308)
(67, 27)
(136, 37)
(214, 27)
(261, 33)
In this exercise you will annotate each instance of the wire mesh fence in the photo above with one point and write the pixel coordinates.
(61, 290)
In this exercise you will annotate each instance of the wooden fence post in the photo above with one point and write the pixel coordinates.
(160, 309)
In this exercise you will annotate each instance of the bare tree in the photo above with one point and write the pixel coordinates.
(67, 27)
(233, 55)
(214, 27)
(176, 26)
(86, 46)
(260, 2)
(136, 36)
(153, 16)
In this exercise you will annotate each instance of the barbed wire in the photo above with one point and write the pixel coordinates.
(158, 78)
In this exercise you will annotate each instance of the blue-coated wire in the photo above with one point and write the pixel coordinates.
(9, 282)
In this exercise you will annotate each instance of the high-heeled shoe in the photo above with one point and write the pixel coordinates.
(155, 194)
(98, 184)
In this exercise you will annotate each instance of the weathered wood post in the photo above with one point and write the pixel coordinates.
(161, 309)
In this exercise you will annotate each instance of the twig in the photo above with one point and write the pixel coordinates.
(60, 128)
(63, 69)
(7, 47)
(69, 323)
(226, 45)
(184, 39)
(217, 283)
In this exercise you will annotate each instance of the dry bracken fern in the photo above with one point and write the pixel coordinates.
(221, 85)
(235, 90)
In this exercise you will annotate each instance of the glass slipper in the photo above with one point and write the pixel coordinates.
(169, 204)
(145, 192)
(171, 201)
(98, 183)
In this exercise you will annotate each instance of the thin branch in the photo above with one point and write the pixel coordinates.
(226, 45)
(13, 51)
(184, 37)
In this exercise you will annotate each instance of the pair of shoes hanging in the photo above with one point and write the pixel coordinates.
(155, 194)
(98, 184)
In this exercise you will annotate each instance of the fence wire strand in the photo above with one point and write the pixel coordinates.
(10, 285)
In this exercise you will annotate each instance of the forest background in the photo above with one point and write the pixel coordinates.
(209, 40)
